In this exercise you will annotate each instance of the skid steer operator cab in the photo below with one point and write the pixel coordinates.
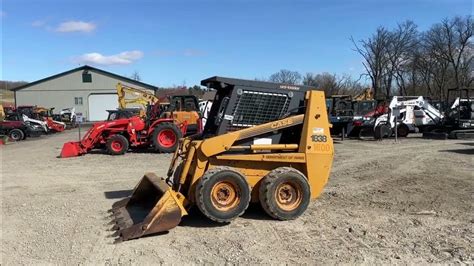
(240, 104)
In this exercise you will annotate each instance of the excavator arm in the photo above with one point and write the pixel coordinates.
(366, 95)
(128, 96)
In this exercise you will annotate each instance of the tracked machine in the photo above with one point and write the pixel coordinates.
(458, 119)
(281, 163)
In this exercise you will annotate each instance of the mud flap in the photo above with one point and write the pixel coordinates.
(153, 207)
(71, 149)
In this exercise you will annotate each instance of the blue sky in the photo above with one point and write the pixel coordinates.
(181, 42)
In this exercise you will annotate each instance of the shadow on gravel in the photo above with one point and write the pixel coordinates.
(137, 151)
(466, 143)
(196, 219)
(256, 212)
(117, 194)
(466, 151)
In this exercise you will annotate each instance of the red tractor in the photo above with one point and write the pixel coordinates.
(117, 136)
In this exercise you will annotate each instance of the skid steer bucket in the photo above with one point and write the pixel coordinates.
(70, 149)
(153, 207)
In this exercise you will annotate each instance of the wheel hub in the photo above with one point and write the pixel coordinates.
(167, 138)
(288, 196)
(116, 145)
(225, 196)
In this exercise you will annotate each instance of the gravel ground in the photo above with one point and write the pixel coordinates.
(410, 202)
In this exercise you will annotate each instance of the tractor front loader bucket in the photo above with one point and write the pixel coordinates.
(153, 207)
(71, 149)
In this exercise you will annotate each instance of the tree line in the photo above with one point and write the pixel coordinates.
(404, 61)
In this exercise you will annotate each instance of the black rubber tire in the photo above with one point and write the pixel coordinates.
(166, 126)
(366, 132)
(382, 131)
(112, 151)
(402, 131)
(16, 134)
(205, 187)
(268, 190)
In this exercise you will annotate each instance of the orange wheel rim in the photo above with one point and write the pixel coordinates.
(225, 195)
(288, 196)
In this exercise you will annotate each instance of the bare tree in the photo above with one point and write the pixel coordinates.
(136, 76)
(286, 76)
(451, 41)
(403, 43)
(331, 84)
(374, 50)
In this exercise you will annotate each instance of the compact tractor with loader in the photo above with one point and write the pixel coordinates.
(117, 136)
(151, 128)
(263, 142)
(184, 109)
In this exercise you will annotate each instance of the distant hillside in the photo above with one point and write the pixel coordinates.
(6, 96)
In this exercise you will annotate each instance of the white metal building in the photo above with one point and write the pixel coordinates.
(90, 90)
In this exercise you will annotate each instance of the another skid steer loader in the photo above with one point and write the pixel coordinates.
(224, 173)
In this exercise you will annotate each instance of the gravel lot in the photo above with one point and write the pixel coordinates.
(410, 202)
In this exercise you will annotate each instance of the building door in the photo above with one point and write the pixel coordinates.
(99, 104)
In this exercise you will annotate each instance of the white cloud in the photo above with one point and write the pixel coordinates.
(38, 23)
(123, 58)
(76, 26)
(193, 52)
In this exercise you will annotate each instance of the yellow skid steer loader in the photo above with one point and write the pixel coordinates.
(223, 174)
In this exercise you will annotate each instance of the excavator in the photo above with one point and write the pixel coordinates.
(222, 173)
(182, 108)
(365, 95)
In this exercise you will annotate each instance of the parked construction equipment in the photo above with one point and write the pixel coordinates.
(404, 123)
(340, 112)
(242, 103)
(222, 174)
(153, 127)
(117, 136)
(182, 108)
(41, 116)
(14, 126)
(47, 115)
(68, 116)
(365, 95)
(458, 120)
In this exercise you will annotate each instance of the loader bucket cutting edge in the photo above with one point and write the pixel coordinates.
(70, 149)
(153, 207)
